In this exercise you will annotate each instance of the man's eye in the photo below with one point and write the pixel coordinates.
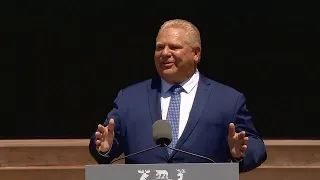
(159, 48)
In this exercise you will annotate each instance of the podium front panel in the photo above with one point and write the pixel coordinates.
(189, 171)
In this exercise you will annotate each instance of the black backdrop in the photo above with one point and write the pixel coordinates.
(65, 61)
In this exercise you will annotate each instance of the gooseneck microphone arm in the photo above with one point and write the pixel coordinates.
(162, 135)
(123, 157)
(192, 154)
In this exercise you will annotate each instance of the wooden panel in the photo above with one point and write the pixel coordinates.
(45, 143)
(85, 142)
(75, 152)
(282, 173)
(292, 142)
(293, 153)
(40, 156)
(43, 173)
(77, 173)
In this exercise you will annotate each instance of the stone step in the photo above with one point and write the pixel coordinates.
(75, 152)
(293, 152)
(282, 173)
(43, 172)
(78, 173)
(51, 152)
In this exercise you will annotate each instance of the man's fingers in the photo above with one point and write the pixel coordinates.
(242, 134)
(101, 149)
(245, 140)
(98, 142)
(101, 129)
(102, 135)
(232, 130)
(111, 125)
(243, 148)
(98, 135)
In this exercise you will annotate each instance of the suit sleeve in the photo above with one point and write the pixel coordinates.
(256, 151)
(117, 113)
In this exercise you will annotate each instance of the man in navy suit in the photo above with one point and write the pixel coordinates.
(207, 117)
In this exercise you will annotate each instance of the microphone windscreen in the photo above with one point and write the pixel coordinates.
(162, 132)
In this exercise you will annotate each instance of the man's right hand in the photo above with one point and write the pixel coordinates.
(105, 136)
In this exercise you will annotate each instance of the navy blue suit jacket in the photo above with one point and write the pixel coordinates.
(137, 107)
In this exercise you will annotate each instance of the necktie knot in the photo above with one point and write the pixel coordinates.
(176, 89)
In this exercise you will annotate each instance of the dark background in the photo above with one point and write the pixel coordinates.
(64, 61)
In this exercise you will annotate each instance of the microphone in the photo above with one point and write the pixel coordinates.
(162, 135)
(157, 136)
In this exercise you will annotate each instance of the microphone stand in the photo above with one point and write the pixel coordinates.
(114, 160)
(199, 156)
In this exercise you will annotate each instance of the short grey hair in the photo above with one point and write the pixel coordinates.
(191, 30)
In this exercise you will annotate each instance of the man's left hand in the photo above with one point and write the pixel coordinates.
(237, 142)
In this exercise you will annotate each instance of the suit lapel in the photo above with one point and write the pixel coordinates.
(154, 92)
(154, 99)
(200, 101)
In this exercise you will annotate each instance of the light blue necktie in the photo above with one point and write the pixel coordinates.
(173, 115)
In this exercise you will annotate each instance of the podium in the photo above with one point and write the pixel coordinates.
(188, 171)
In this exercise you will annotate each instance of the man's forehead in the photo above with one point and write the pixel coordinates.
(169, 34)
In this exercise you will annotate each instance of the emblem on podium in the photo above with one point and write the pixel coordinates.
(161, 174)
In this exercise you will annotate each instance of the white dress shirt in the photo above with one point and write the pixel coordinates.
(187, 97)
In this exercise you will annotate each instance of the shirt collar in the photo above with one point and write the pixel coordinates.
(187, 85)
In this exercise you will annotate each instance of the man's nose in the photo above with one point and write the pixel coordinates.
(166, 52)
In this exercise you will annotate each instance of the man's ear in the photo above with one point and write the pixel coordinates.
(197, 54)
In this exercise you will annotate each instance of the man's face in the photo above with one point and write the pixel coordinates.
(175, 60)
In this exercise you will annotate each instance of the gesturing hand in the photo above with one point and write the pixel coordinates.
(237, 142)
(105, 136)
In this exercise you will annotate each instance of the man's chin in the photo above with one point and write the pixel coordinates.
(169, 75)
(169, 72)
(171, 69)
